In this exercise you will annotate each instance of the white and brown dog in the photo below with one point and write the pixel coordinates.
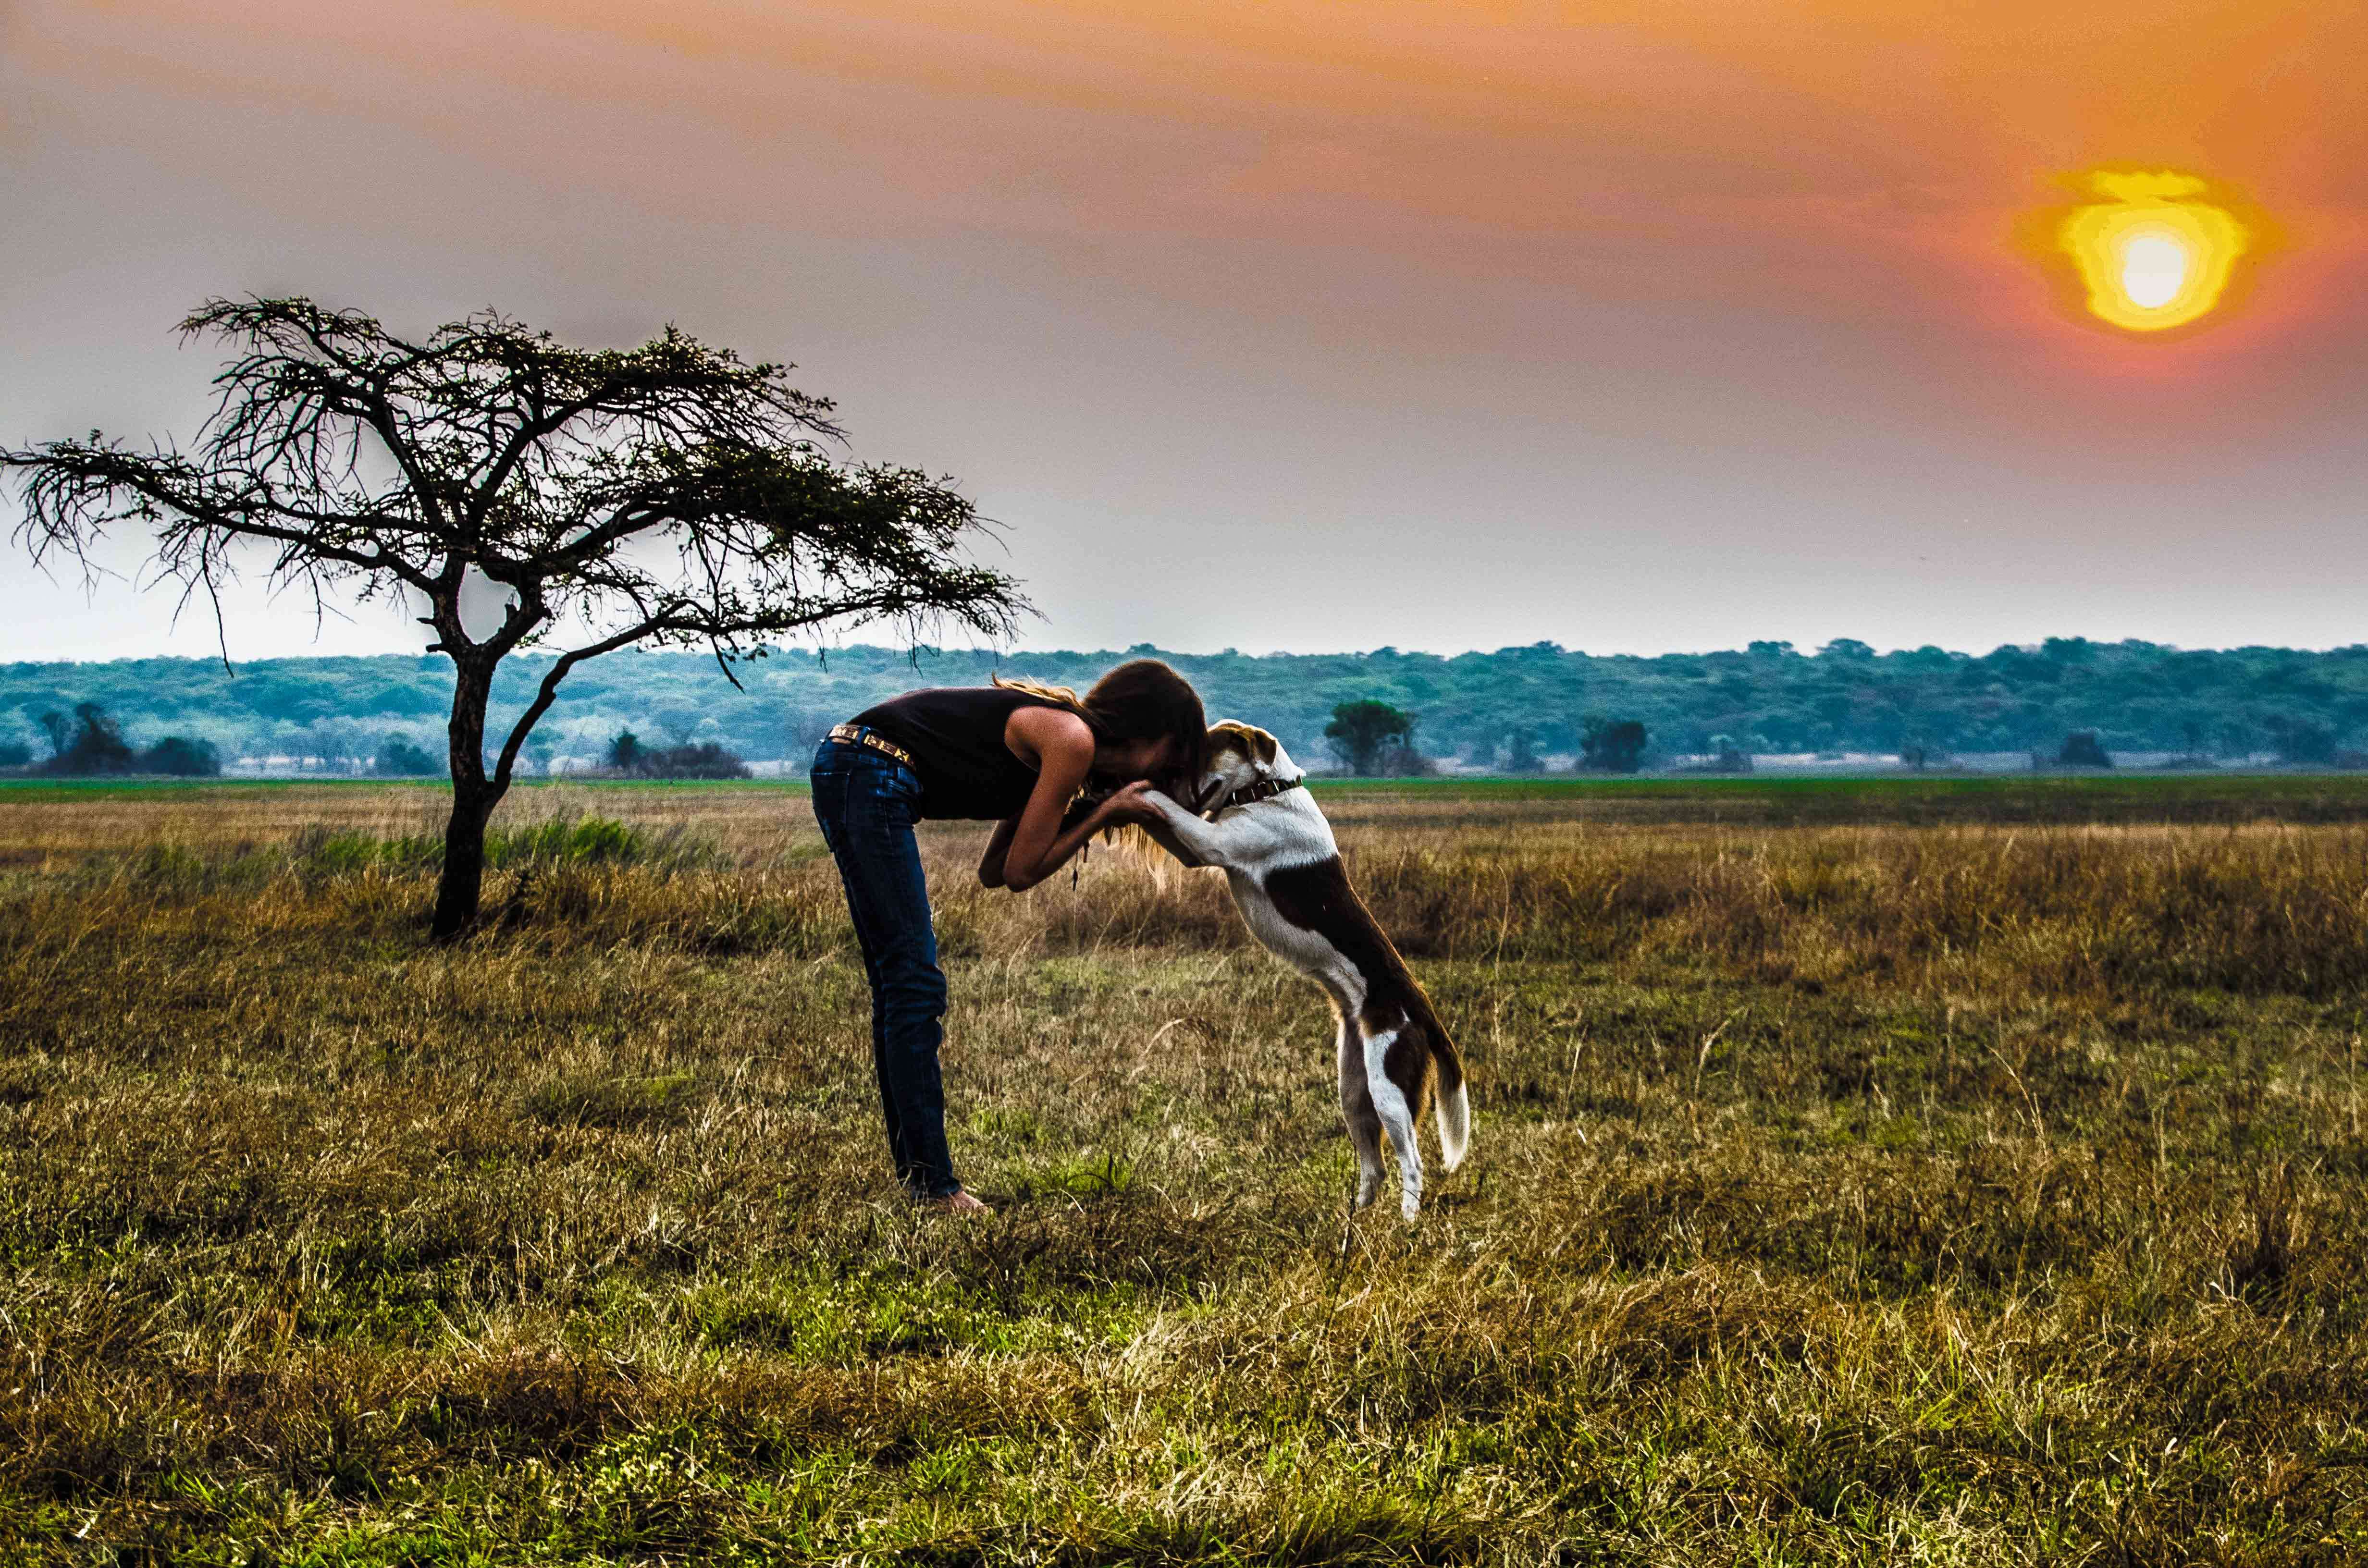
(1253, 818)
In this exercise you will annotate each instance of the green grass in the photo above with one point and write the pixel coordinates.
(37, 790)
(2120, 797)
(2067, 797)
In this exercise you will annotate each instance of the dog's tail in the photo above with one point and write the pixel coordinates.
(1454, 1110)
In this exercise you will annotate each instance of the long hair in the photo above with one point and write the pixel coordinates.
(1059, 695)
(1142, 699)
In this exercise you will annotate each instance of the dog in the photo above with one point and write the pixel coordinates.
(1253, 818)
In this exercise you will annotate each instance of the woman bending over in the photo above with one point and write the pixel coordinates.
(1015, 752)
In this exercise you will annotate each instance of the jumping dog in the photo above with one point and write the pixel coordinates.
(1253, 817)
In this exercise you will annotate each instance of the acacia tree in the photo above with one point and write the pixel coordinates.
(669, 494)
(1359, 730)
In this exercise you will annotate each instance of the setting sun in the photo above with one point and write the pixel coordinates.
(2153, 251)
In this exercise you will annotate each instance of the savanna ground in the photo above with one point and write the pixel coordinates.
(1917, 1174)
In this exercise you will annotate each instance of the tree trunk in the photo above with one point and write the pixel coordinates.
(463, 880)
(474, 799)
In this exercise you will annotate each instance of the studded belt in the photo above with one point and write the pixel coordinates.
(864, 735)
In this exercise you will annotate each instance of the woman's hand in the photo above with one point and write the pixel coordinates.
(1127, 805)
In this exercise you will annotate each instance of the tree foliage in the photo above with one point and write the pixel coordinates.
(2138, 697)
(182, 757)
(2082, 749)
(91, 742)
(2300, 741)
(690, 759)
(1362, 730)
(1611, 746)
(402, 757)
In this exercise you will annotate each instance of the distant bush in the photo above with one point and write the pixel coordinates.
(708, 759)
(2301, 742)
(1611, 746)
(2082, 749)
(1725, 757)
(88, 741)
(182, 757)
(1521, 752)
(1400, 760)
(401, 757)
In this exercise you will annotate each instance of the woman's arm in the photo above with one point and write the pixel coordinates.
(1125, 806)
(1046, 833)
(999, 844)
(990, 865)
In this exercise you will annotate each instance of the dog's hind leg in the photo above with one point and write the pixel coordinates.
(1394, 1105)
(1357, 1110)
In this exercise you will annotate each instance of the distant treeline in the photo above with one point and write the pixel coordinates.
(341, 714)
(88, 741)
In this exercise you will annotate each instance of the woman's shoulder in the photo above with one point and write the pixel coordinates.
(1051, 719)
(1047, 727)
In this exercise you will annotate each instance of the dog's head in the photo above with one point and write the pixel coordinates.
(1236, 756)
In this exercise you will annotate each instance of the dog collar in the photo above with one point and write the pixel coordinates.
(1263, 789)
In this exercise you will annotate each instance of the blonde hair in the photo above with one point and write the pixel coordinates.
(1049, 693)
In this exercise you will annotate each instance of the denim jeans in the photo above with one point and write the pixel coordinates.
(867, 804)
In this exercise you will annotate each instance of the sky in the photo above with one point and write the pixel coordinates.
(1291, 325)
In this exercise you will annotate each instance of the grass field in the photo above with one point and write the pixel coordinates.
(1957, 1172)
(1772, 799)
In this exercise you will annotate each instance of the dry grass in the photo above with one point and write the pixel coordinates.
(1965, 1194)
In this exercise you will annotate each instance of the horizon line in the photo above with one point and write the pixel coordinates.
(918, 651)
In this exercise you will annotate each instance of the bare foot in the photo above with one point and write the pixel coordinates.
(956, 1203)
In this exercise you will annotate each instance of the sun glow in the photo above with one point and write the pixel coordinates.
(2152, 252)
(2154, 268)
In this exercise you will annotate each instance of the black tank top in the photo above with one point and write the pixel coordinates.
(955, 733)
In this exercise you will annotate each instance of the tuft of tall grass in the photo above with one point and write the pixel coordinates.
(563, 840)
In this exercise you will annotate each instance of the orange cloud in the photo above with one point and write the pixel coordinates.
(1849, 156)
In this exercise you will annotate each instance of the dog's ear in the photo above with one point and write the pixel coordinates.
(1254, 745)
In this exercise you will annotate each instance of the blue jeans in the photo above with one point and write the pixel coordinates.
(867, 804)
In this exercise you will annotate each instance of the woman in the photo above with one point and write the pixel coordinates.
(1017, 752)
